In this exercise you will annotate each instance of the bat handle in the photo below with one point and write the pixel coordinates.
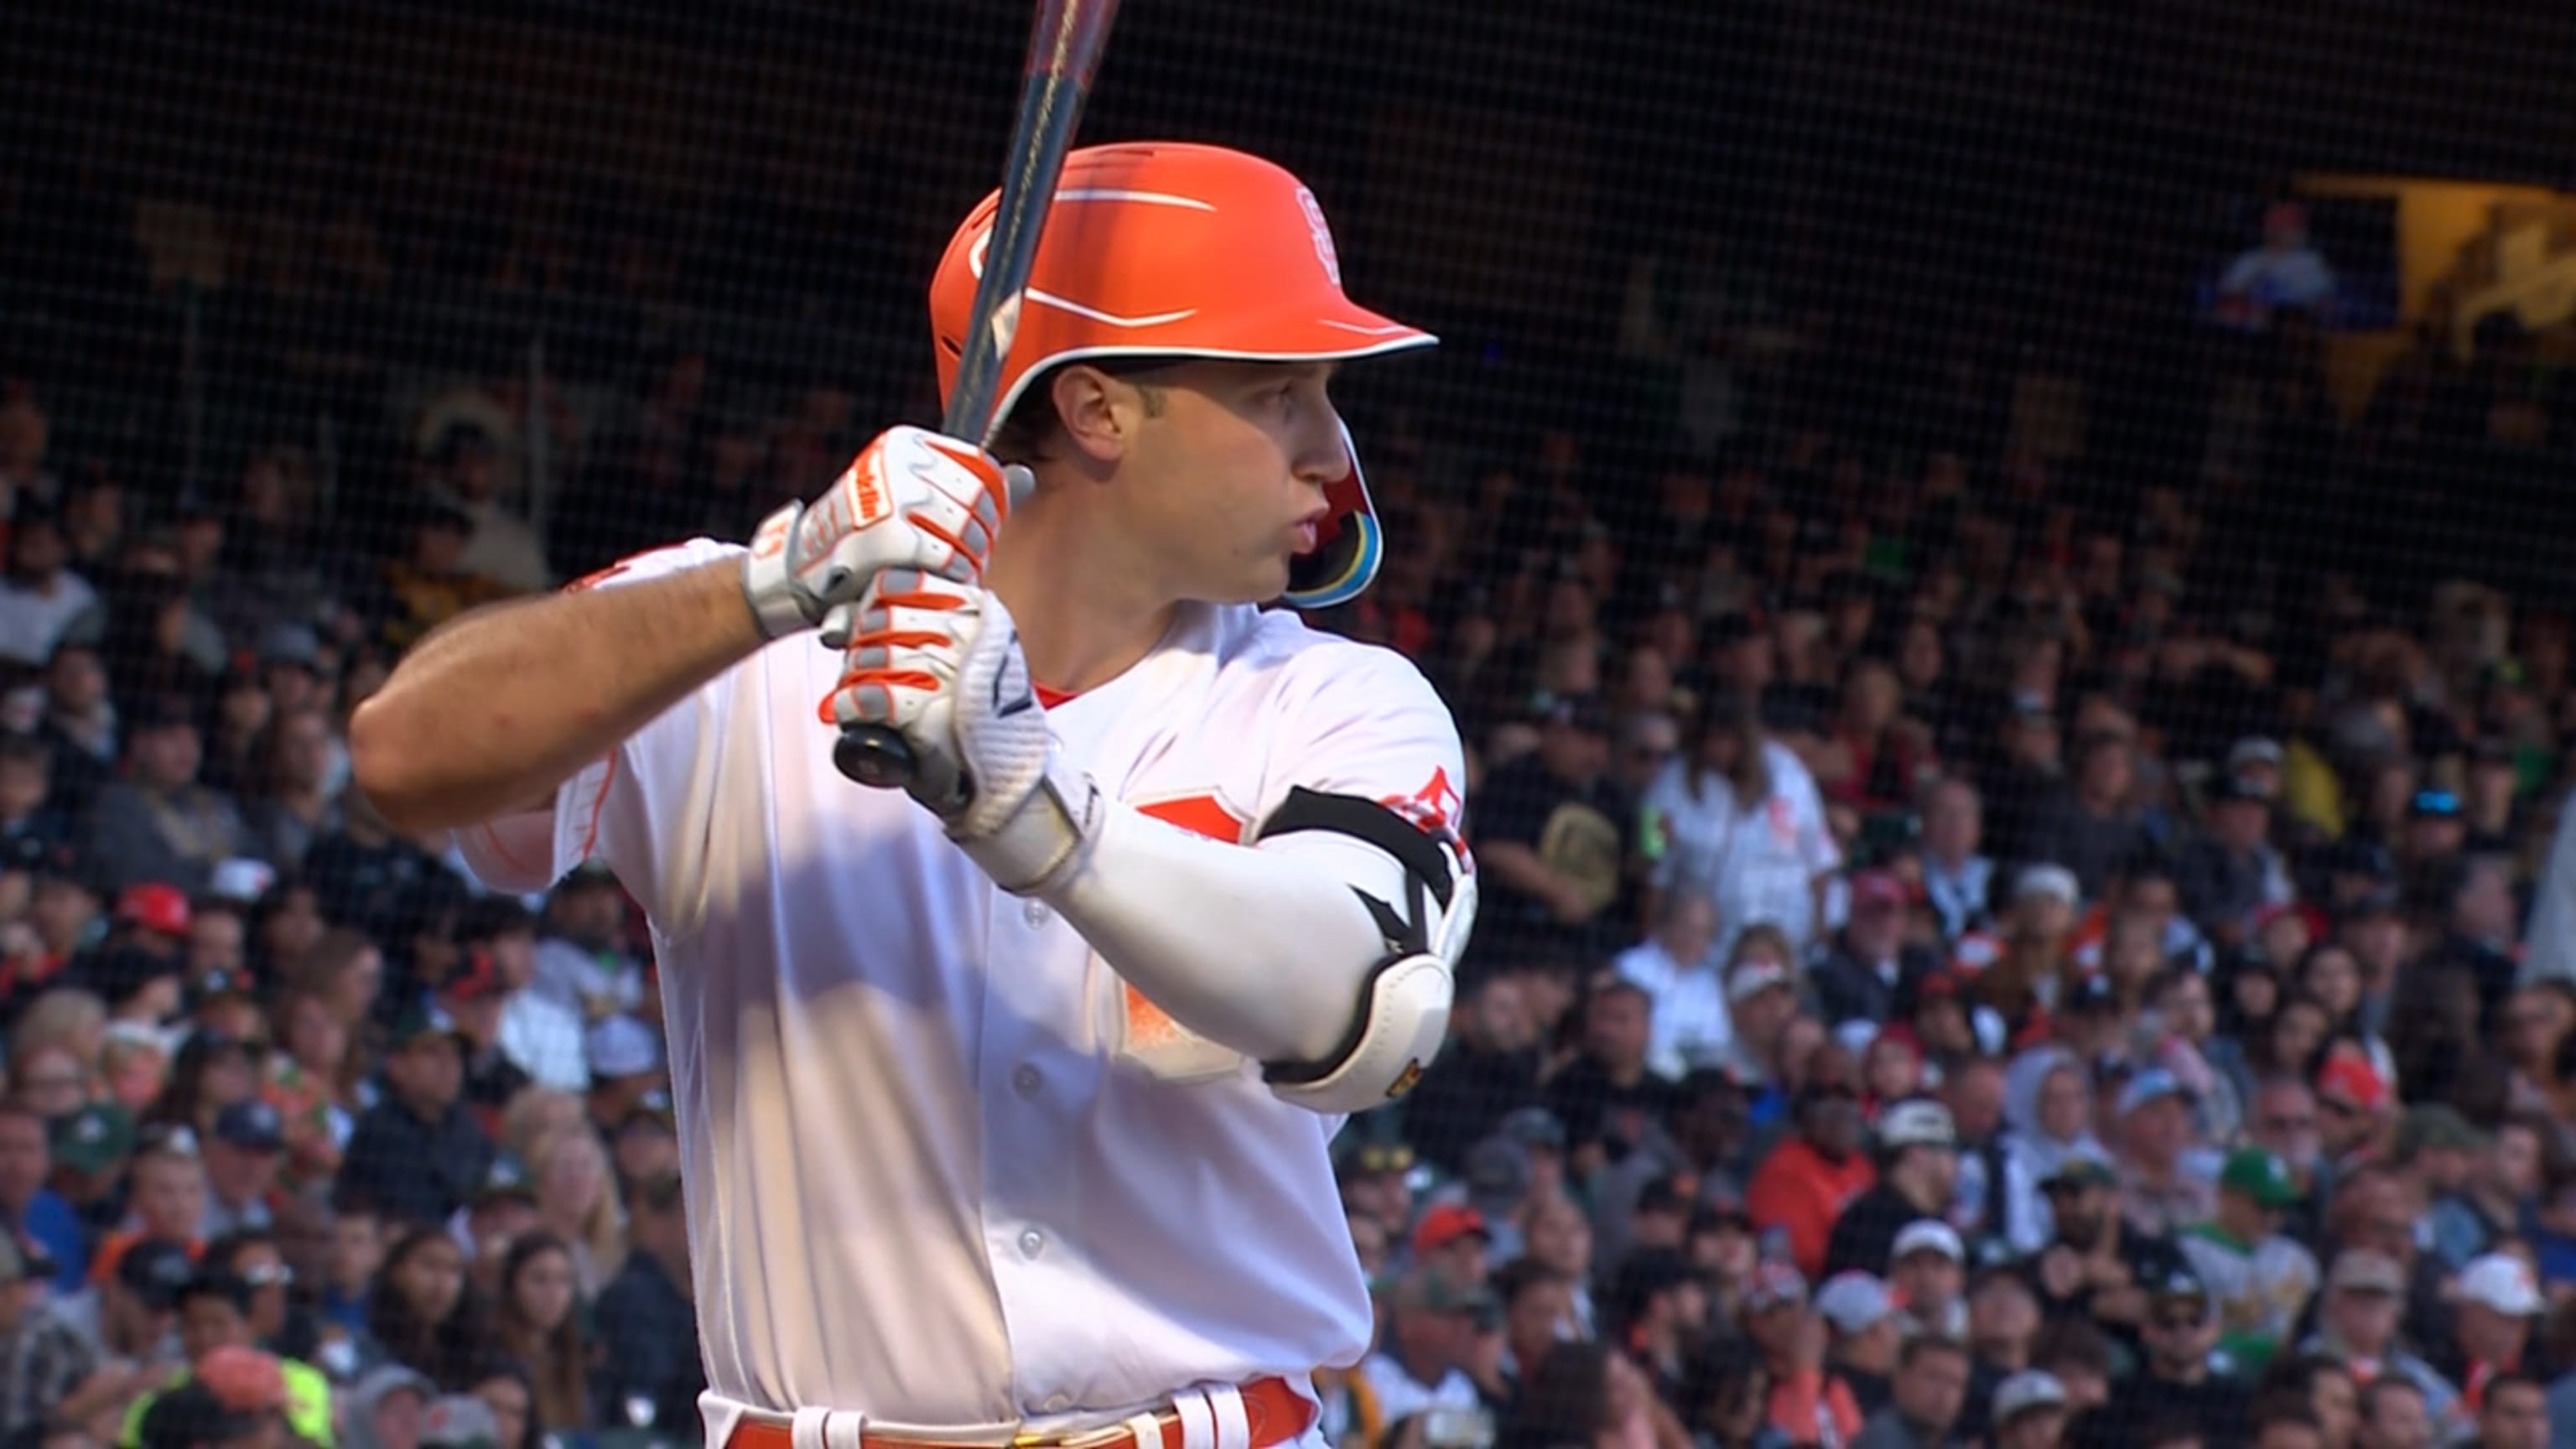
(874, 755)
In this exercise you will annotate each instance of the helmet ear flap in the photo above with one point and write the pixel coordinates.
(1351, 545)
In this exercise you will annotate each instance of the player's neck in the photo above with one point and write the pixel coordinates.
(1084, 616)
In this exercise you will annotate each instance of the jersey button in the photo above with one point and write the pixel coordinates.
(1032, 1243)
(1035, 913)
(1026, 1081)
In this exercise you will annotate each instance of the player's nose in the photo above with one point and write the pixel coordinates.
(1321, 458)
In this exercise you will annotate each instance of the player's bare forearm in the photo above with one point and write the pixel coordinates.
(497, 708)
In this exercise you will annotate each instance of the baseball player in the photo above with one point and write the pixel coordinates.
(1004, 1101)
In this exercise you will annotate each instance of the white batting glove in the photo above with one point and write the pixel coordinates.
(910, 500)
(940, 664)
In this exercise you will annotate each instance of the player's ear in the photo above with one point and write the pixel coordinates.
(1099, 413)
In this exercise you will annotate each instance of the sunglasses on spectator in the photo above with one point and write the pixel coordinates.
(2179, 1322)
(1393, 1157)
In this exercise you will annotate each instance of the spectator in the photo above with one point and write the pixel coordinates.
(1422, 1357)
(243, 1155)
(2503, 1174)
(534, 1314)
(2260, 1280)
(1762, 1002)
(501, 546)
(214, 1315)
(2515, 1414)
(426, 1316)
(473, 999)
(1958, 879)
(538, 1033)
(1678, 971)
(1548, 847)
(1928, 1277)
(289, 802)
(1803, 1188)
(36, 1219)
(59, 1376)
(417, 1152)
(2178, 1331)
(2357, 1321)
(1930, 1388)
(576, 1202)
(1487, 1069)
(156, 823)
(2231, 870)
(41, 598)
(1609, 1097)
(2091, 825)
(1736, 818)
(1918, 1170)
(1809, 1404)
(581, 962)
(1869, 967)
(2499, 1298)
(2030, 1411)
(1866, 1336)
(2160, 1194)
(2393, 1415)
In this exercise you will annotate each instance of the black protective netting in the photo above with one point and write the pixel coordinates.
(2004, 555)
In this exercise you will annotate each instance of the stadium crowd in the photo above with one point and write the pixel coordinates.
(1968, 957)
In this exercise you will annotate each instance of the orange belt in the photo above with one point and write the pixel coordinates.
(1273, 1413)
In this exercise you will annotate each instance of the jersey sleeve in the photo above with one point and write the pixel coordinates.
(638, 809)
(1361, 720)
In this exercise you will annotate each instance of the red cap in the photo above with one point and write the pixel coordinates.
(2351, 1080)
(1446, 1224)
(154, 907)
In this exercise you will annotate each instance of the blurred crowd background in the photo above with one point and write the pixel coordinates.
(2001, 573)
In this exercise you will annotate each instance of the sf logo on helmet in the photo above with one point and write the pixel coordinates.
(1322, 234)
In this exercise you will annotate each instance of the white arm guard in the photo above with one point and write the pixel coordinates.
(1324, 954)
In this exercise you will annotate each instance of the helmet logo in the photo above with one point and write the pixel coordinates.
(1322, 234)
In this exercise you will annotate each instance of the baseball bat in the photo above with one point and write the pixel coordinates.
(1065, 42)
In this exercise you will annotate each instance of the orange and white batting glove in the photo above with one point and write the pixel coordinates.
(910, 500)
(940, 664)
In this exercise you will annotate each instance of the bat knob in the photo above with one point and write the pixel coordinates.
(874, 755)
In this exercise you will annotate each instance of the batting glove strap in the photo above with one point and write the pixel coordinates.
(1046, 839)
(768, 581)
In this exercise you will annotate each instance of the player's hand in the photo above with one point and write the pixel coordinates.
(910, 500)
(940, 664)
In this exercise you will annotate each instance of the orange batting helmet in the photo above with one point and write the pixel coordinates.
(1161, 249)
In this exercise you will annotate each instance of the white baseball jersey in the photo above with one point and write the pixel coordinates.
(942, 1166)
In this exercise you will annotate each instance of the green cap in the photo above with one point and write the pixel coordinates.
(2259, 1173)
(95, 1138)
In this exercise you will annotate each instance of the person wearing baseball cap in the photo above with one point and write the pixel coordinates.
(2352, 1107)
(1918, 1171)
(1930, 1277)
(2029, 1411)
(243, 1155)
(1451, 1239)
(418, 1154)
(2260, 1278)
(2358, 1321)
(1870, 967)
(1810, 1402)
(2179, 1375)
(2159, 1193)
(2498, 1298)
(1867, 1334)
